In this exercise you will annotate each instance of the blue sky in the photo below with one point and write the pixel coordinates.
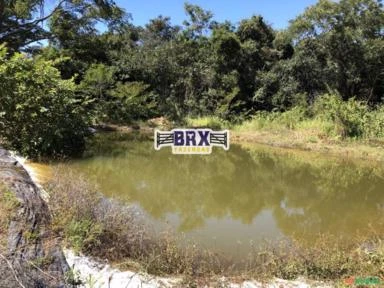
(275, 12)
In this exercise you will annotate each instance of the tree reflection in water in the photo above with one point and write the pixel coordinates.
(302, 194)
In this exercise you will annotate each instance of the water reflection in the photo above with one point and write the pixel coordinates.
(239, 195)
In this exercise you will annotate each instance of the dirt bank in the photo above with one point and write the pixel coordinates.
(29, 254)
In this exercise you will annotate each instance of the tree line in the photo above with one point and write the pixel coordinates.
(50, 94)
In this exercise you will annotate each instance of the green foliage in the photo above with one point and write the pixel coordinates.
(212, 122)
(203, 67)
(210, 68)
(116, 101)
(374, 123)
(82, 234)
(349, 117)
(131, 101)
(73, 277)
(275, 120)
(39, 113)
(257, 30)
(199, 20)
(21, 20)
(193, 72)
(98, 78)
(329, 115)
(343, 41)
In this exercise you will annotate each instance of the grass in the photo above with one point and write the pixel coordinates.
(282, 129)
(212, 122)
(329, 117)
(8, 205)
(106, 229)
(347, 128)
(313, 134)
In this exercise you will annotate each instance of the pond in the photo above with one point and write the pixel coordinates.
(232, 200)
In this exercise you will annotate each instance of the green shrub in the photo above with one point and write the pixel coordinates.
(118, 102)
(275, 120)
(39, 113)
(291, 118)
(82, 234)
(374, 124)
(131, 101)
(349, 117)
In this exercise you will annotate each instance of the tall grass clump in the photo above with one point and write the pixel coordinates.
(274, 120)
(329, 115)
(374, 124)
(212, 122)
(348, 118)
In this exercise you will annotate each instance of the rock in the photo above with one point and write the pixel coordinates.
(33, 257)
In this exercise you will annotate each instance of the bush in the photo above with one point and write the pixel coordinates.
(374, 124)
(349, 117)
(130, 101)
(291, 118)
(39, 113)
(114, 101)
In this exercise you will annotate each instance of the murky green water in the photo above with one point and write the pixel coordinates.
(229, 200)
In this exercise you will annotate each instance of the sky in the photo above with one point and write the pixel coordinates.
(275, 12)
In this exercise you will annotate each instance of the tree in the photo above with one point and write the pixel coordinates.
(161, 29)
(40, 114)
(199, 21)
(74, 34)
(346, 39)
(21, 21)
